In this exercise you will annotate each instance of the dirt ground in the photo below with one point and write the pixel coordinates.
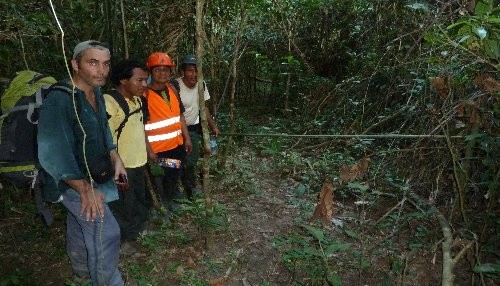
(254, 208)
(241, 252)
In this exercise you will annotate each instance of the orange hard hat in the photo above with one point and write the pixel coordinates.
(159, 59)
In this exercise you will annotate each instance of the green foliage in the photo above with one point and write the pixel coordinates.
(152, 241)
(138, 270)
(213, 265)
(477, 34)
(312, 255)
(72, 283)
(18, 278)
(489, 269)
(213, 218)
(190, 278)
(355, 66)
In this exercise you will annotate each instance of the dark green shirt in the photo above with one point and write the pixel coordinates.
(60, 140)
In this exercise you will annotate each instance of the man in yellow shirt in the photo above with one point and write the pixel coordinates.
(126, 121)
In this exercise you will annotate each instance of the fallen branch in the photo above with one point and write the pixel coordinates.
(449, 262)
(400, 203)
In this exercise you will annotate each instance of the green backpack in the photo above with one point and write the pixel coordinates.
(20, 104)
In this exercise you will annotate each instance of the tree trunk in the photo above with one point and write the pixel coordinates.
(232, 88)
(125, 38)
(215, 86)
(108, 19)
(200, 40)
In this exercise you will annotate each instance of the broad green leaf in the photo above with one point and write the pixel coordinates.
(474, 136)
(464, 38)
(481, 32)
(316, 233)
(418, 6)
(482, 7)
(335, 247)
(300, 190)
(358, 186)
(493, 20)
(351, 233)
(365, 264)
(334, 279)
(461, 22)
(492, 49)
(490, 268)
(312, 251)
(431, 38)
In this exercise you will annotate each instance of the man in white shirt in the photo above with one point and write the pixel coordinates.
(188, 91)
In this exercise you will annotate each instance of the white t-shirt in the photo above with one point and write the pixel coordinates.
(189, 97)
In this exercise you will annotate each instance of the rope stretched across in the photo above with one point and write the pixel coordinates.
(358, 136)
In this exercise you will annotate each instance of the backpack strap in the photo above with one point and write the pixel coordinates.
(175, 84)
(145, 110)
(30, 106)
(120, 100)
(126, 110)
(36, 78)
(40, 95)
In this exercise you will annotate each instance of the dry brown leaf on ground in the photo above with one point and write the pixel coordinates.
(190, 263)
(196, 255)
(442, 85)
(179, 270)
(324, 209)
(356, 171)
(345, 174)
(487, 83)
(218, 282)
(460, 110)
(363, 165)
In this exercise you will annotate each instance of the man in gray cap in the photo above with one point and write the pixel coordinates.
(188, 91)
(76, 150)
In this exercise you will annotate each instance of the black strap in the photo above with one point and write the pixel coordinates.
(36, 78)
(175, 83)
(120, 99)
(41, 208)
(145, 110)
(124, 106)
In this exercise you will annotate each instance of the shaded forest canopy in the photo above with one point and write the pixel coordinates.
(327, 67)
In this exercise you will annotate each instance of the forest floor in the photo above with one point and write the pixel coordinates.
(260, 235)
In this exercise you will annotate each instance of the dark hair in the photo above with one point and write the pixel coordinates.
(185, 66)
(124, 70)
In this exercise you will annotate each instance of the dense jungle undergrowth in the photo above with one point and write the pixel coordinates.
(378, 205)
(379, 222)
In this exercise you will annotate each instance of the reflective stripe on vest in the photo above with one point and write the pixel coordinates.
(164, 126)
(156, 138)
(163, 123)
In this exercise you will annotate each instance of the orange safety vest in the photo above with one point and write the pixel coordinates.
(164, 125)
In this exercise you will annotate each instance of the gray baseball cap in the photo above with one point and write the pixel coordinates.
(87, 45)
(189, 59)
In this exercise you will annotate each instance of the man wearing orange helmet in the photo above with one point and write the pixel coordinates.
(166, 128)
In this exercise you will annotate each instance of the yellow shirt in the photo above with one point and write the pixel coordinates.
(132, 145)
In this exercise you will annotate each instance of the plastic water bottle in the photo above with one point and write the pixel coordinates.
(213, 145)
(169, 163)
